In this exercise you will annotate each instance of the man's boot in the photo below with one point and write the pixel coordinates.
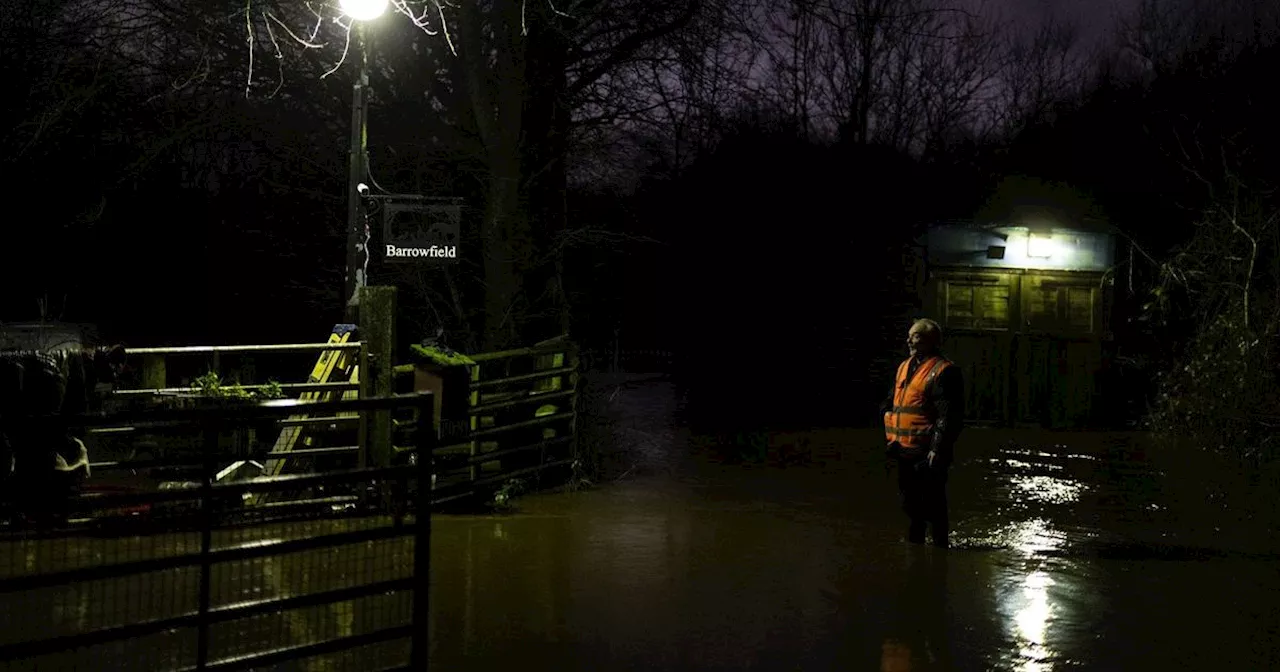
(915, 532)
(941, 536)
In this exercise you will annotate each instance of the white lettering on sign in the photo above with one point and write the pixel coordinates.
(436, 251)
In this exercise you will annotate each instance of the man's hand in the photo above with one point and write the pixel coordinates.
(933, 454)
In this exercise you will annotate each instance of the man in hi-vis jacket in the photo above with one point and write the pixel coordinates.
(922, 419)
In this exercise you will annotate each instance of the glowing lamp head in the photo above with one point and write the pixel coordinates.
(363, 10)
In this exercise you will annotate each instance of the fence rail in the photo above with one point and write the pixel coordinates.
(517, 417)
(202, 587)
(614, 360)
(284, 387)
(154, 368)
(520, 422)
(340, 370)
(269, 347)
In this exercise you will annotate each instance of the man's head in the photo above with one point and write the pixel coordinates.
(924, 338)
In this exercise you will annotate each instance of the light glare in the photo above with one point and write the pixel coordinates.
(363, 10)
(1039, 247)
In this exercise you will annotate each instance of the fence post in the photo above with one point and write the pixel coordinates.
(473, 400)
(573, 359)
(154, 375)
(425, 434)
(378, 329)
(362, 392)
(210, 441)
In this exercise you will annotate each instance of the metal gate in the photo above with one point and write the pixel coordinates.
(204, 578)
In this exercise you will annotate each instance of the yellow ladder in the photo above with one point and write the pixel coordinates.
(332, 365)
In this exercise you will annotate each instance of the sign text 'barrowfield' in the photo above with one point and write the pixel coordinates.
(434, 251)
(420, 230)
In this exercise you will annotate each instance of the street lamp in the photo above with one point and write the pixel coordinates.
(363, 10)
(360, 11)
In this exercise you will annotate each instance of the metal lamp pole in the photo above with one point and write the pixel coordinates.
(360, 12)
(357, 254)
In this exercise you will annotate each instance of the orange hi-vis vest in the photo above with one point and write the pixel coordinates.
(910, 422)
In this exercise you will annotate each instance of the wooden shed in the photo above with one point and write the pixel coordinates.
(1026, 310)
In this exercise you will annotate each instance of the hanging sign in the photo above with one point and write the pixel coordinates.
(416, 229)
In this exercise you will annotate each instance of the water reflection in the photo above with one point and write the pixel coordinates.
(1025, 598)
(1033, 537)
(1038, 477)
(1047, 489)
(917, 637)
(735, 569)
(1031, 620)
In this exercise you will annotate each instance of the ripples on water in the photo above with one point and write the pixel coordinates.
(1076, 539)
(1066, 557)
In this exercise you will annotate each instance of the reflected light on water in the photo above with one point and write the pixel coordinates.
(1031, 622)
(1048, 489)
(1019, 464)
(1033, 537)
(1031, 484)
(1028, 605)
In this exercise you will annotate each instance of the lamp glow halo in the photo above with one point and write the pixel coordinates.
(363, 10)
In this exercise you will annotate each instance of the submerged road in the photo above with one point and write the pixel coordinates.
(1072, 551)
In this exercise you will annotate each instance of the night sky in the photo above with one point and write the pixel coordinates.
(1094, 17)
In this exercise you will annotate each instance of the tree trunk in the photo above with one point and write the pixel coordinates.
(544, 146)
(501, 263)
(496, 91)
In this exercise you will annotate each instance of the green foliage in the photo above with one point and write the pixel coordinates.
(1220, 393)
(751, 446)
(1216, 299)
(581, 478)
(503, 498)
(212, 385)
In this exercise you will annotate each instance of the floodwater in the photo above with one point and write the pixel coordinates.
(1071, 552)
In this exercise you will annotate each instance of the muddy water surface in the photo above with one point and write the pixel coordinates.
(1073, 551)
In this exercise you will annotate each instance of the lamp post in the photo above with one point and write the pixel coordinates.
(360, 11)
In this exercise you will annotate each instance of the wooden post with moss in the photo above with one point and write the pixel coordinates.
(154, 375)
(378, 330)
(446, 375)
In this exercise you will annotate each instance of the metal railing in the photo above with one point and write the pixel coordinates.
(136, 580)
(216, 350)
(614, 360)
(521, 419)
(290, 431)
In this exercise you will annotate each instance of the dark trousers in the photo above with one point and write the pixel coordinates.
(923, 490)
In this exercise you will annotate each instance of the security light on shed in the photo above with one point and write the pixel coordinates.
(1039, 246)
(995, 251)
(363, 10)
